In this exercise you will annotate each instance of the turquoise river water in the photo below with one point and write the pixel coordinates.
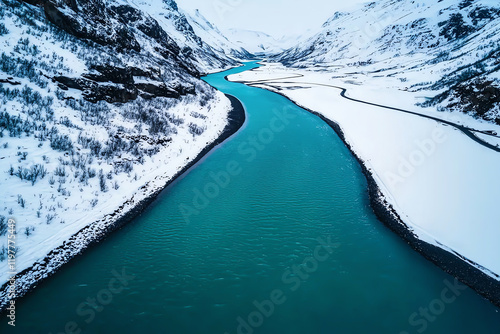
(272, 232)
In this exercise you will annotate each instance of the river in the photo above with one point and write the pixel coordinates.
(220, 250)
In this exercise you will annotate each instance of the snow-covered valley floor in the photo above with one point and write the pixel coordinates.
(442, 183)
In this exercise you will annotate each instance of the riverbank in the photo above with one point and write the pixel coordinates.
(454, 264)
(96, 232)
(373, 162)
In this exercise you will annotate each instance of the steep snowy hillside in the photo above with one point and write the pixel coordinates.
(192, 46)
(212, 36)
(100, 106)
(447, 49)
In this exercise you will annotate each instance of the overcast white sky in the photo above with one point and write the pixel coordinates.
(275, 17)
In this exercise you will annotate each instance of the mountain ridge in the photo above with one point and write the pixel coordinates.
(446, 49)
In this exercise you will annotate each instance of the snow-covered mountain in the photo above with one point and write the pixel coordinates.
(212, 36)
(193, 34)
(100, 106)
(259, 43)
(449, 48)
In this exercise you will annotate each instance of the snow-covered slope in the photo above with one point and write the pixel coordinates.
(212, 36)
(448, 49)
(192, 46)
(100, 105)
(258, 42)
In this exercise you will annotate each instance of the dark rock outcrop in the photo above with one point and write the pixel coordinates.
(111, 74)
(185, 90)
(91, 20)
(116, 26)
(75, 83)
(478, 96)
(151, 73)
(116, 85)
(112, 93)
(10, 80)
(148, 26)
(94, 92)
(153, 90)
(36, 2)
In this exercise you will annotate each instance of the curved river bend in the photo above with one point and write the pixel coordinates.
(223, 255)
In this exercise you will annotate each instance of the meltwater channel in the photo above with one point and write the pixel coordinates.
(295, 195)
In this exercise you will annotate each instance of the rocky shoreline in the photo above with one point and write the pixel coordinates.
(91, 235)
(454, 264)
